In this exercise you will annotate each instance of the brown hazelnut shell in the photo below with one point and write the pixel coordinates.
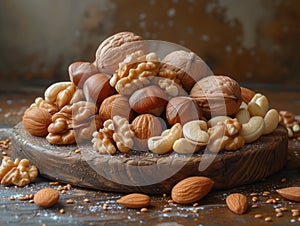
(145, 126)
(96, 88)
(181, 110)
(79, 72)
(116, 105)
(150, 99)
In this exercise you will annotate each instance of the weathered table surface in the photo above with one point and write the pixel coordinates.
(211, 210)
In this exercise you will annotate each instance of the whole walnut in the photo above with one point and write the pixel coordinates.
(36, 120)
(189, 67)
(115, 48)
(116, 105)
(217, 95)
(145, 126)
(182, 109)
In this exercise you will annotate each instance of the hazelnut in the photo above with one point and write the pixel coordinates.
(217, 95)
(189, 67)
(79, 72)
(36, 120)
(116, 105)
(150, 99)
(182, 110)
(96, 88)
(145, 126)
(247, 94)
(114, 50)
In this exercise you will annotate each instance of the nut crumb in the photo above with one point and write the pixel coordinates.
(258, 216)
(268, 219)
(86, 200)
(70, 201)
(164, 195)
(195, 204)
(255, 206)
(278, 210)
(12, 198)
(195, 211)
(254, 199)
(170, 201)
(31, 201)
(77, 151)
(296, 214)
(61, 211)
(266, 193)
(253, 194)
(54, 183)
(279, 214)
(166, 210)
(284, 209)
(144, 210)
(283, 180)
(104, 207)
(63, 192)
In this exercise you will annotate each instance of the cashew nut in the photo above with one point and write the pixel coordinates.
(213, 121)
(259, 105)
(195, 132)
(253, 129)
(53, 90)
(183, 146)
(164, 143)
(271, 120)
(243, 116)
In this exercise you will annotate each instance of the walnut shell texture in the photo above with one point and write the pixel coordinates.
(189, 66)
(114, 49)
(217, 95)
(36, 120)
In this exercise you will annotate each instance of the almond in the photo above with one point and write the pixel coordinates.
(237, 203)
(46, 197)
(291, 193)
(191, 189)
(135, 200)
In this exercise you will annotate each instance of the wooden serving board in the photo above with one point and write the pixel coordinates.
(148, 172)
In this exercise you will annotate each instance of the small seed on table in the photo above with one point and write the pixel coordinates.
(69, 201)
(12, 198)
(268, 219)
(258, 216)
(254, 199)
(283, 209)
(86, 200)
(61, 211)
(283, 180)
(296, 214)
(279, 214)
(144, 210)
(195, 204)
(170, 201)
(278, 210)
(255, 206)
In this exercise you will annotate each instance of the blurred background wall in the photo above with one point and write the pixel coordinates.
(251, 40)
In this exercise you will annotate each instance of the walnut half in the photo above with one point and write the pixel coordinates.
(18, 172)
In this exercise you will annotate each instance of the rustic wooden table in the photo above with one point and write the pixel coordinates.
(102, 208)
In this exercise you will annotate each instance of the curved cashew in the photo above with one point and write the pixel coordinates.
(271, 121)
(253, 129)
(53, 90)
(164, 143)
(195, 132)
(259, 105)
(244, 105)
(243, 116)
(214, 121)
(183, 146)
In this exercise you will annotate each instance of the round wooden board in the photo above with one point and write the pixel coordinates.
(147, 172)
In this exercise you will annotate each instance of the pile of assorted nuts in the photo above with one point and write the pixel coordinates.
(129, 99)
